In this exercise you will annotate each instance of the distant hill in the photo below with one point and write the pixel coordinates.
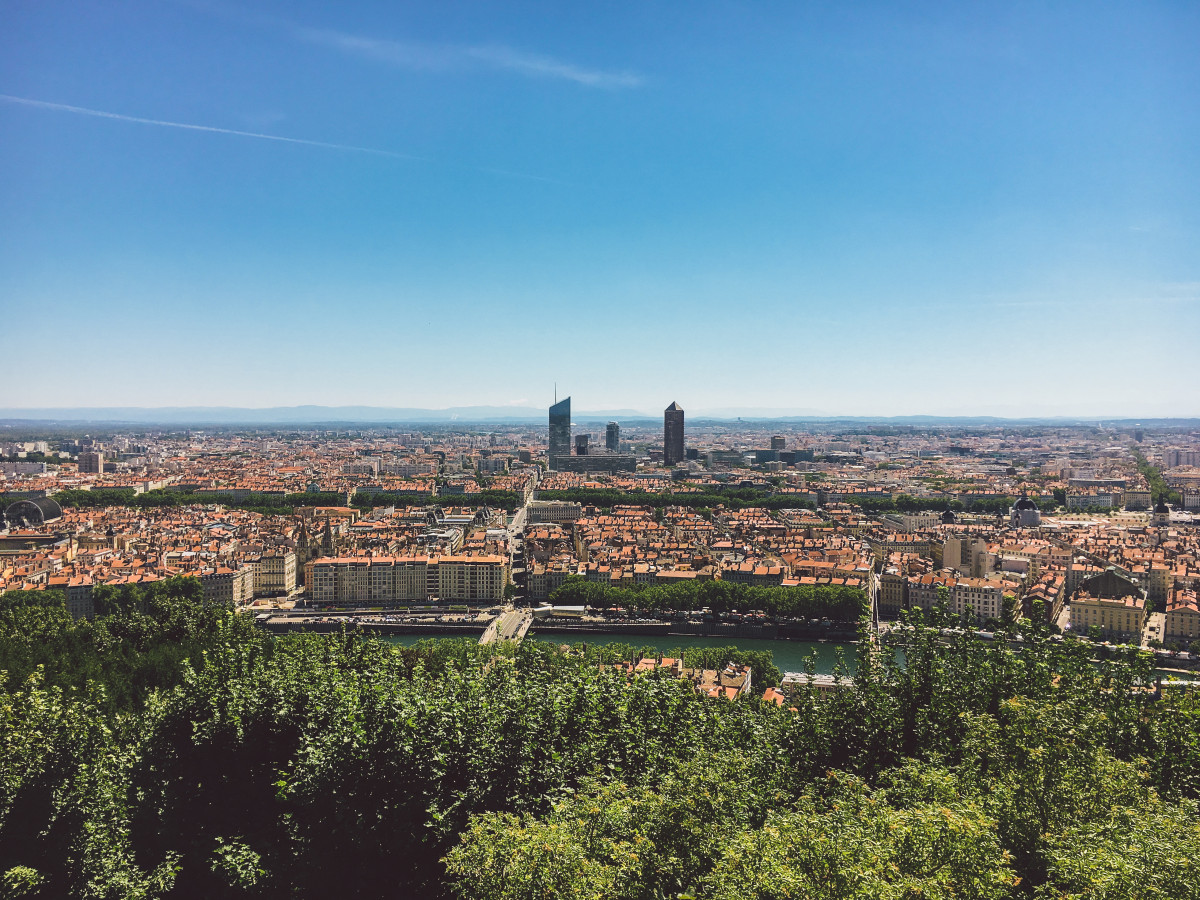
(368, 415)
(293, 415)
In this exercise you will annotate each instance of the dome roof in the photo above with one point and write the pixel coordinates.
(33, 511)
(1025, 503)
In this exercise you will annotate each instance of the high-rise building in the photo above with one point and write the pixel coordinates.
(673, 435)
(581, 444)
(91, 463)
(778, 442)
(612, 437)
(560, 430)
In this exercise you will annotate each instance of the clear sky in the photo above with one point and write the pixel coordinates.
(852, 208)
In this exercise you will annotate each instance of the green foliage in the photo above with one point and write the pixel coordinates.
(246, 764)
(506, 500)
(137, 644)
(1154, 477)
(730, 498)
(838, 603)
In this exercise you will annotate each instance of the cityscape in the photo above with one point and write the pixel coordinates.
(1091, 530)
(600, 451)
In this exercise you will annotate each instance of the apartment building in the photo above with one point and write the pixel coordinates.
(472, 579)
(225, 585)
(983, 598)
(1122, 618)
(553, 511)
(1111, 602)
(366, 581)
(923, 590)
(1182, 624)
(274, 573)
(91, 463)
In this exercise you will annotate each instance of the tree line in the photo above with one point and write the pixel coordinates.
(280, 505)
(839, 603)
(736, 498)
(1159, 490)
(273, 766)
(756, 498)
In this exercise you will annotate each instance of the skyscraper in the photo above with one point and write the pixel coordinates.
(673, 435)
(612, 437)
(560, 430)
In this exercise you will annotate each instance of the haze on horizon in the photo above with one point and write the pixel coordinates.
(856, 210)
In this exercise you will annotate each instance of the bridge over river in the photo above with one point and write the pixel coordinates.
(510, 625)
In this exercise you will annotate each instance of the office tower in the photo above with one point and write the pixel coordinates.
(778, 442)
(91, 463)
(612, 437)
(560, 430)
(581, 444)
(673, 435)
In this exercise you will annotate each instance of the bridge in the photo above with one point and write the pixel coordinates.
(510, 625)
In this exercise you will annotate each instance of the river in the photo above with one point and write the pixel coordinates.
(789, 656)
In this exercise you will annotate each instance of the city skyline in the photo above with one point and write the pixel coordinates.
(868, 210)
(366, 415)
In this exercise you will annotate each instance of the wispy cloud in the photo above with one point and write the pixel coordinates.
(121, 117)
(212, 129)
(546, 67)
(448, 57)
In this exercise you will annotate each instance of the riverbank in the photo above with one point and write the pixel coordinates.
(789, 656)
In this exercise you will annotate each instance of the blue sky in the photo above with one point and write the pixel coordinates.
(951, 208)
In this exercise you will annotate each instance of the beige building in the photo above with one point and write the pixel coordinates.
(983, 598)
(473, 579)
(545, 578)
(224, 585)
(1118, 617)
(923, 590)
(553, 511)
(364, 581)
(1182, 618)
(1111, 602)
(370, 581)
(967, 556)
(274, 573)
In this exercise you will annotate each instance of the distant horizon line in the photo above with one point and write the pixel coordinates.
(366, 414)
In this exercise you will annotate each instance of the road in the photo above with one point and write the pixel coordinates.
(510, 625)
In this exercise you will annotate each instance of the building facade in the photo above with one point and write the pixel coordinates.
(612, 437)
(274, 573)
(673, 435)
(560, 430)
(1182, 625)
(91, 463)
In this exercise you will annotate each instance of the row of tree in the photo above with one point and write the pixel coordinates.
(757, 498)
(740, 498)
(340, 765)
(837, 603)
(277, 505)
(1159, 490)
(497, 499)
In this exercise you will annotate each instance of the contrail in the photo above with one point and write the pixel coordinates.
(102, 114)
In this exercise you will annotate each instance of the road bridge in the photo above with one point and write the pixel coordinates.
(510, 625)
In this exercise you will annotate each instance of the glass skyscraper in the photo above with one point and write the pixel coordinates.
(673, 434)
(560, 429)
(612, 437)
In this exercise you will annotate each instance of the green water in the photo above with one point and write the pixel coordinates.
(788, 655)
